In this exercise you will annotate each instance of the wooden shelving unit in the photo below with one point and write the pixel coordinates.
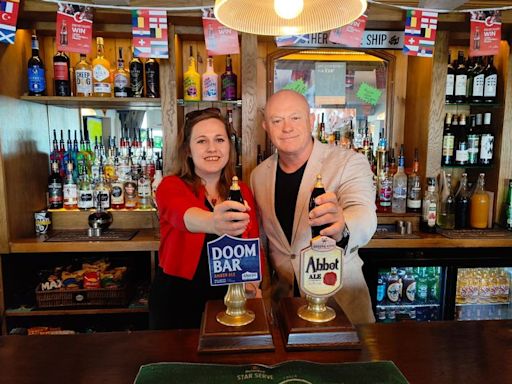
(73, 312)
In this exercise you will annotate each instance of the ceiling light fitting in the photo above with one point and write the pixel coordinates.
(287, 17)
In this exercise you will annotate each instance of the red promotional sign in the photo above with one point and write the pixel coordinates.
(349, 35)
(219, 39)
(485, 33)
(74, 28)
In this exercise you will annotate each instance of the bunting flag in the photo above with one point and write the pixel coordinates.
(420, 33)
(149, 31)
(8, 18)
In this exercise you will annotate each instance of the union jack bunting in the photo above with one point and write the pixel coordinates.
(149, 32)
(8, 17)
(420, 33)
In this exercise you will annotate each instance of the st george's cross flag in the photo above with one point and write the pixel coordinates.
(420, 33)
(8, 17)
(149, 32)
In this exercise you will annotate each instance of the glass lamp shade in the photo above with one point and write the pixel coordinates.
(259, 17)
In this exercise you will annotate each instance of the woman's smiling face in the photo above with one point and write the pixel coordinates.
(209, 148)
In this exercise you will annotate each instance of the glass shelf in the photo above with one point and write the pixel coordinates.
(468, 166)
(483, 105)
(205, 103)
(96, 102)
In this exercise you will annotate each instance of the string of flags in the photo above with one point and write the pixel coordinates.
(150, 29)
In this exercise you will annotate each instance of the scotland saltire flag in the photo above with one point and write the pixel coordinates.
(8, 17)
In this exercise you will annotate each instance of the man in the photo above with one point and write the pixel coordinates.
(282, 186)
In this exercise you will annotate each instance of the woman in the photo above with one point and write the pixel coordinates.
(193, 210)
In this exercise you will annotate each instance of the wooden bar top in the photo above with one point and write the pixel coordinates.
(148, 240)
(437, 352)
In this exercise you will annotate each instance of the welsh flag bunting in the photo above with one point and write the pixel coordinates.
(8, 17)
(420, 33)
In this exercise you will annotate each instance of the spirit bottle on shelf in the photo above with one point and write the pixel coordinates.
(228, 82)
(398, 201)
(414, 186)
(55, 193)
(448, 141)
(85, 191)
(70, 192)
(61, 76)
(191, 80)
(83, 77)
(473, 142)
(36, 72)
(102, 190)
(144, 186)
(152, 70)
(101, 72)
(461, 146)
(210, 82)
(429, 216)
(136, 76)
(477, 88)
(121, 78)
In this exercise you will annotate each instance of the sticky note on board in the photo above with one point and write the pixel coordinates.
(94, 127)
(368, 94)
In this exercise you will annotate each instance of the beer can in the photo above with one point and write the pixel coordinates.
(43, 221)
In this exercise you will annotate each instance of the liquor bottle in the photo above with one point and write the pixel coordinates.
(70, 193)
(382, 280)
(479, 211)
(152, 70)
(477, 89)
(101, 72)
(62, 153)
(130, 192)
(121, 78)
(429, 216)
(210, 82)
(473, 141)
(450, 82)
(446, 207)
(318, 190)
(462, 204)
(490, 81)
(470, 67)
(398, 201)
(448, 141)
(385, 189)
(157, 179)
(55, 154)
(508, 207)
(392, 162)
(235, 138)
(63, 34)
(486, 141)
(461, 146)
(191, 80)
(36, 72)
(321, 129)
(394, 287)
(382, 153)
(408, 287)
(414, 186)
(85, 191)
(434, 292)
(83, 77)
(144, 186)
(461, 77)
(102, 190)
(55, 192)
(136, 76)
(228, 82)
(117, 192)
(61, 74)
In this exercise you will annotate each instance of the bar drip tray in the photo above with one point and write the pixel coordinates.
(474, 233)
(81, 235)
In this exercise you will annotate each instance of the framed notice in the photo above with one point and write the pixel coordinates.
(330, 83)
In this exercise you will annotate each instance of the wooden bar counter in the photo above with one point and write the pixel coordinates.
(437, 352)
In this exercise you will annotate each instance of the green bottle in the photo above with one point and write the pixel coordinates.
(421, 286)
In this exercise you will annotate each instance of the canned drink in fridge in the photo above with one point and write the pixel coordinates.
(43, 221)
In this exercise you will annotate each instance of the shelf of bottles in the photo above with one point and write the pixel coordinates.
(97, 85)
(483, 294)
(410, 293)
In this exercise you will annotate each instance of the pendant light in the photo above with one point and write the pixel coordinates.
(287, 17)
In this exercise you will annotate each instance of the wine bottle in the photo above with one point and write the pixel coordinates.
(152, 78)
(61, 74)
(490, 81)
(228, 82)
(461, 77)
(450, 82)
(36, 72)
(136, 76)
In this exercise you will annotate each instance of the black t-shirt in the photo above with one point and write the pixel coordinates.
(285, 197)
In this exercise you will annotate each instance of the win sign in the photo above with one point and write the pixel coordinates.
(233, 260)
